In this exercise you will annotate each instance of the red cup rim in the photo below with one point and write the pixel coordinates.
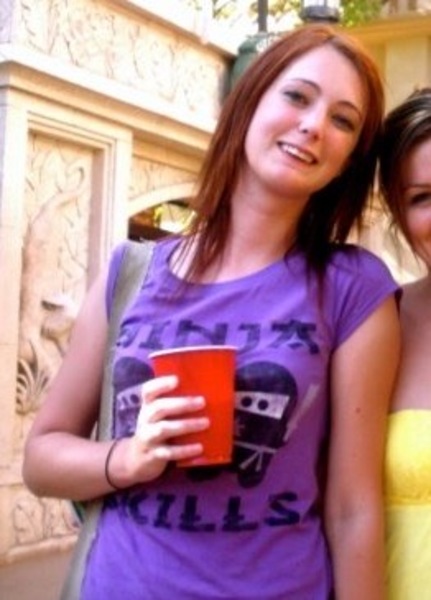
(189, 349)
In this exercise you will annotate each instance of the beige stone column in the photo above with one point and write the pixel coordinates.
(13, 140)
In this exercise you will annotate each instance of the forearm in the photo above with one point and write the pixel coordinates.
(62, 465)
(357, 550)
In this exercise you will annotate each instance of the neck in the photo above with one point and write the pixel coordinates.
(259, 235)
(267, 225)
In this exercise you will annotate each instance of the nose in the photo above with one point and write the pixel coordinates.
(312, 121)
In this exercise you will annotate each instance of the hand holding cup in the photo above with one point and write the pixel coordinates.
(206, 372)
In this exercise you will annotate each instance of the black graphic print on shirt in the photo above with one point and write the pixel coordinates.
(266, 394)
(265, 400)
(267, 411)
(128, 376)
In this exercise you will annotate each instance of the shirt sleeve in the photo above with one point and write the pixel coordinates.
(359, 282)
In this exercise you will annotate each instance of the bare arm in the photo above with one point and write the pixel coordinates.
(58, 459)
(362, 379)
(61, 460)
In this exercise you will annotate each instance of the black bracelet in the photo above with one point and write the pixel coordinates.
(107, 461)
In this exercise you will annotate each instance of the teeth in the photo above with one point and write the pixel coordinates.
(298, 153)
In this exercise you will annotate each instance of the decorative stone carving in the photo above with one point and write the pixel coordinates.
(149, 175)
(53, 282)
(6, 7)
(38, 519)
(135, 53)
(53, 263)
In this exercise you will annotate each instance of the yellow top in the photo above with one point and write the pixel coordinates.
(408, 505)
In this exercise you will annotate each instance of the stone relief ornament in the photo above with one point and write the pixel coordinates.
(53, 265)
(36, 519)
(148, 175)
(133, 52)
(6, 7)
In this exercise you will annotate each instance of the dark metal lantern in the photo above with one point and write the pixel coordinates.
(320, 10)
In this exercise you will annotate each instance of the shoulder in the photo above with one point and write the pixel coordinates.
(417, 289)
(416, 299)
(129, 249)
(354, 261)
(356, 283)
(127, 261)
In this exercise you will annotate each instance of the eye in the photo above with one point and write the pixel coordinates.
(296, 97)
(344, 122)
(419, 198)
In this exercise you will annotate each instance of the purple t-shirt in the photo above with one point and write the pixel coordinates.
(251, 530)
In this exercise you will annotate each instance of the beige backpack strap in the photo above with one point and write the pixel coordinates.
(132, 272)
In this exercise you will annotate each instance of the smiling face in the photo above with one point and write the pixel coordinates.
(416, 181)
(306, 125)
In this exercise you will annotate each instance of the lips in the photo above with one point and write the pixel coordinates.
(297, 152)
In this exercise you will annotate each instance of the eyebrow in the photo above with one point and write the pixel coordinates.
(346, 103)
(419, 186)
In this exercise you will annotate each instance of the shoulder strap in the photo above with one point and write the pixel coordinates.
(132, 272)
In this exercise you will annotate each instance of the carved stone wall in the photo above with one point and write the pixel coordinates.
(56, 228)
(134, 51)
(105, 110)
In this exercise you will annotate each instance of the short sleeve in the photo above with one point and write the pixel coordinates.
(358, 282)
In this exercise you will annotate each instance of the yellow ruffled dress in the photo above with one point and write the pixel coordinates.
(408, 505)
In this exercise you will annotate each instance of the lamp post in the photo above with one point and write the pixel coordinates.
(320, 10)
(262, 15)
(254, 44)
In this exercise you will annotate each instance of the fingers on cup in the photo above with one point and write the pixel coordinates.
(177, 452)
(165, 429)
(154, 388)
(153, 433)
(169, 407)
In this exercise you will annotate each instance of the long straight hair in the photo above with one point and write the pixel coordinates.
(331, 212)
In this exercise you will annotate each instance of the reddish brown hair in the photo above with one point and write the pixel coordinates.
(332, 211)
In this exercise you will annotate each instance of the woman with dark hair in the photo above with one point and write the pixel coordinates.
(265, 267)
(406, 184)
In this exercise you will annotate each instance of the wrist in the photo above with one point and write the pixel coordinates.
(110, 478)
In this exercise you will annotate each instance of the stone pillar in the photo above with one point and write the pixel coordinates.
(13, 139)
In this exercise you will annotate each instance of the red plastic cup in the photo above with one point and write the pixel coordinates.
(206, 371)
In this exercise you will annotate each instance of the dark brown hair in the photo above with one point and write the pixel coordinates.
(330, 212)
(406, 126)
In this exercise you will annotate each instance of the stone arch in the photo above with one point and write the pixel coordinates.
(160, 211)
(177, 191)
